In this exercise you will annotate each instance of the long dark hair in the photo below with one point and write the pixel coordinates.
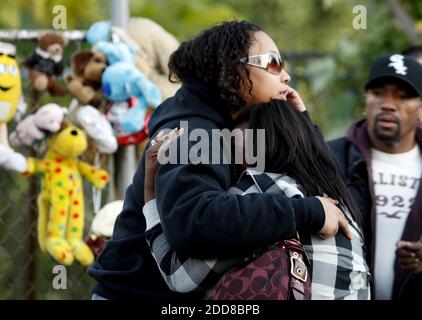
(293, 147)
(213, 57)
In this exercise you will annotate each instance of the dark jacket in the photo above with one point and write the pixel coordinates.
(199, 219)
(353, 154)
(45, 65)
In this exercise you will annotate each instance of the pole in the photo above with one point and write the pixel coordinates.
(125, 157)
(32, 231)
(120, 13)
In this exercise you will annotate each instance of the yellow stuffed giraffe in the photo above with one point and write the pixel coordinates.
(61, 200)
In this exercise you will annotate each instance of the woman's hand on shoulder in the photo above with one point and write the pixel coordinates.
(154, 152)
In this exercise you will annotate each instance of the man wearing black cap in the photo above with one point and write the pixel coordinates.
(381, 158)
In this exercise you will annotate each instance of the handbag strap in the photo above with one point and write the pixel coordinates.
(299, 272)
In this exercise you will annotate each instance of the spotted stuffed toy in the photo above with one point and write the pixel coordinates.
(61, 200)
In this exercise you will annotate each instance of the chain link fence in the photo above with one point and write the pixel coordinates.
(25, 271)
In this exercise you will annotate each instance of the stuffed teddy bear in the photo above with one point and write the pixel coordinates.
(156, 46)
(88, 67)
(61, 201)
(10, 87)
(34, 128)
(46, 63)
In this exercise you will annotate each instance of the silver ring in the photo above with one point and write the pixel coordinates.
(153, 142)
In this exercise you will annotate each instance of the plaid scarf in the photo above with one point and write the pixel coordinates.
(339, 269)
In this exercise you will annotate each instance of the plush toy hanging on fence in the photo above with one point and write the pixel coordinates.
(33, 130)
(102, 226)
(85, 85)
(10, 87)
(101, 36)
(130, 92)
(122, 83)
(10, 97)
(147, 40)
(97, 127)
(61, 200)
(45, 64)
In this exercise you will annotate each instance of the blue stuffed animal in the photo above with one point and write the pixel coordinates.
(110, 44)
(116, 52)
(98, 31)
(120, 82)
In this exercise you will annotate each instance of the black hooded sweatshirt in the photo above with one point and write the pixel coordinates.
(199, 219)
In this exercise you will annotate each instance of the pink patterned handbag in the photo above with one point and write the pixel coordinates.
(279, 273)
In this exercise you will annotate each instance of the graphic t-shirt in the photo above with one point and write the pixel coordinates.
(396, 180)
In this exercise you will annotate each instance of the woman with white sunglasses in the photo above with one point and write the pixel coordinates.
(224, 71)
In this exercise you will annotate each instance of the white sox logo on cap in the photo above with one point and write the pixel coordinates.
(399, 67)
(398, 64)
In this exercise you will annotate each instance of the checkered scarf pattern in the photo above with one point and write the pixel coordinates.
(339, 269)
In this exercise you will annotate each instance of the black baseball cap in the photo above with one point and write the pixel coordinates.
(397, 66)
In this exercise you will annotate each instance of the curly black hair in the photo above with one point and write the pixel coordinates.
(213, 57)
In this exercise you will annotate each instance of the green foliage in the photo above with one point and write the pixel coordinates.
(37, 14)
(183, 18)
(331, 85)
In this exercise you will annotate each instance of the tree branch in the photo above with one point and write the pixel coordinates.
(404, 19)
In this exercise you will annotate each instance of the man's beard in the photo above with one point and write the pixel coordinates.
(386, 137)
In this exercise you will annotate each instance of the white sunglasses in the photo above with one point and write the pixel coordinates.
(271, 61)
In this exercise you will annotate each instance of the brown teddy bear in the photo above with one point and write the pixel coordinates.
(88, 67)
(46, 63)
